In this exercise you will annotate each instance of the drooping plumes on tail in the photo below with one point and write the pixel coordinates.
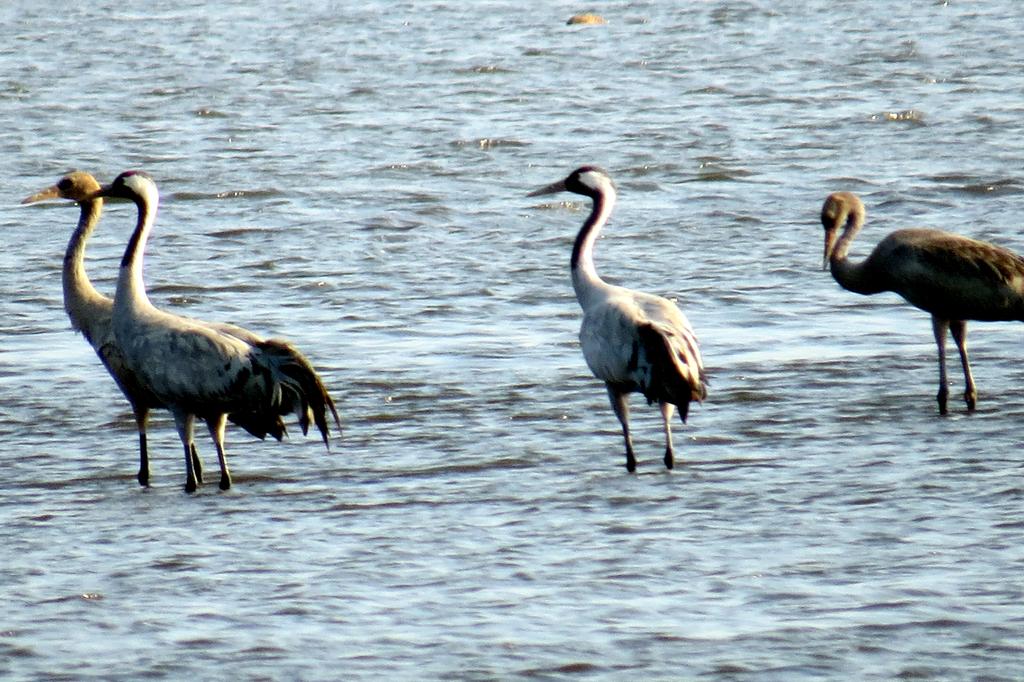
(674, 373)
(299, 389)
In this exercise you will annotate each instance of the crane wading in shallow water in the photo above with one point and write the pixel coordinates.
(953, 278)
(631, 340)
(196, 369)
(90, 313)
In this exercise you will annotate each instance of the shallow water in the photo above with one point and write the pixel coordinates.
(354, 180)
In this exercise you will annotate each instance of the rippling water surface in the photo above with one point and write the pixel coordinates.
(353, 177)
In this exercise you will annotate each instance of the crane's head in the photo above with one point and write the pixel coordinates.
(591, 181)
(76, 186)
(841, 210)
(133, 185)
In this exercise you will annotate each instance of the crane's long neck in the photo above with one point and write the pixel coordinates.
(131, 289)
(85, 306)
(585, 279)
(855, 277)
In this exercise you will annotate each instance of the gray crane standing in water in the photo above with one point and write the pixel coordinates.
(90, 313)
(954, 278)
(196, 369)
(631, 340)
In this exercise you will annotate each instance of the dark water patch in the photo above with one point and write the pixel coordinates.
(485, 464)
(748, 396)
(179, 301)
(728, 670)
(998, 647)
(709, 172)
(389, 223)
(32, 301)
(83, 483)
(659, 170)
(909, 116)
(199, 643)
(1004, 187)
(329, 112)
(951, 178)
(83, 597)
(187, 294)
(717, 215)
(266, 650)
(15, 651)
(712, 90)
(721, 464)
(565, 669)
(209, 112)
(489, 143)
(175, 91)
(226, 195)
(233, 234)
(850, 181)
(641, 186)
(406, 503)
(483, 70)
(269, 265)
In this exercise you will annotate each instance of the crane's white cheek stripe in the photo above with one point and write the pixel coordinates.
(594, 180)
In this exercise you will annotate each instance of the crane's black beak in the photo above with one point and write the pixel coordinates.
(553, 188)
(98, 194)
(105, 192)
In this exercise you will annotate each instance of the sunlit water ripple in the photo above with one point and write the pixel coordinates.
(354, 179)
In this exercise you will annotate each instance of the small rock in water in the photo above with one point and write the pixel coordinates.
(586, 18)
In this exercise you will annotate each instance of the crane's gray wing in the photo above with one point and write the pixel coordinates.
(951, 276)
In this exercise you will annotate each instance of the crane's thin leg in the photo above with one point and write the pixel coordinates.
(141, 417)
(940, 327)
(216, 425)
(620, 404)
(959, 329)
(184, 421)
(197, 465)
(667, 410)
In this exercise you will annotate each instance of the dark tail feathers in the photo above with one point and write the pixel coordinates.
(302, 391)
(675, 373)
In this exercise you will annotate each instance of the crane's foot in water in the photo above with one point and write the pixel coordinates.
(941, 397)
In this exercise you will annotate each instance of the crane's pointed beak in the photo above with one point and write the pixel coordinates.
(553, 188)
(102, 193)
(830, 245)
(48, 193)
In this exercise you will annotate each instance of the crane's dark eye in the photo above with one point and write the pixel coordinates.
(64, 185)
